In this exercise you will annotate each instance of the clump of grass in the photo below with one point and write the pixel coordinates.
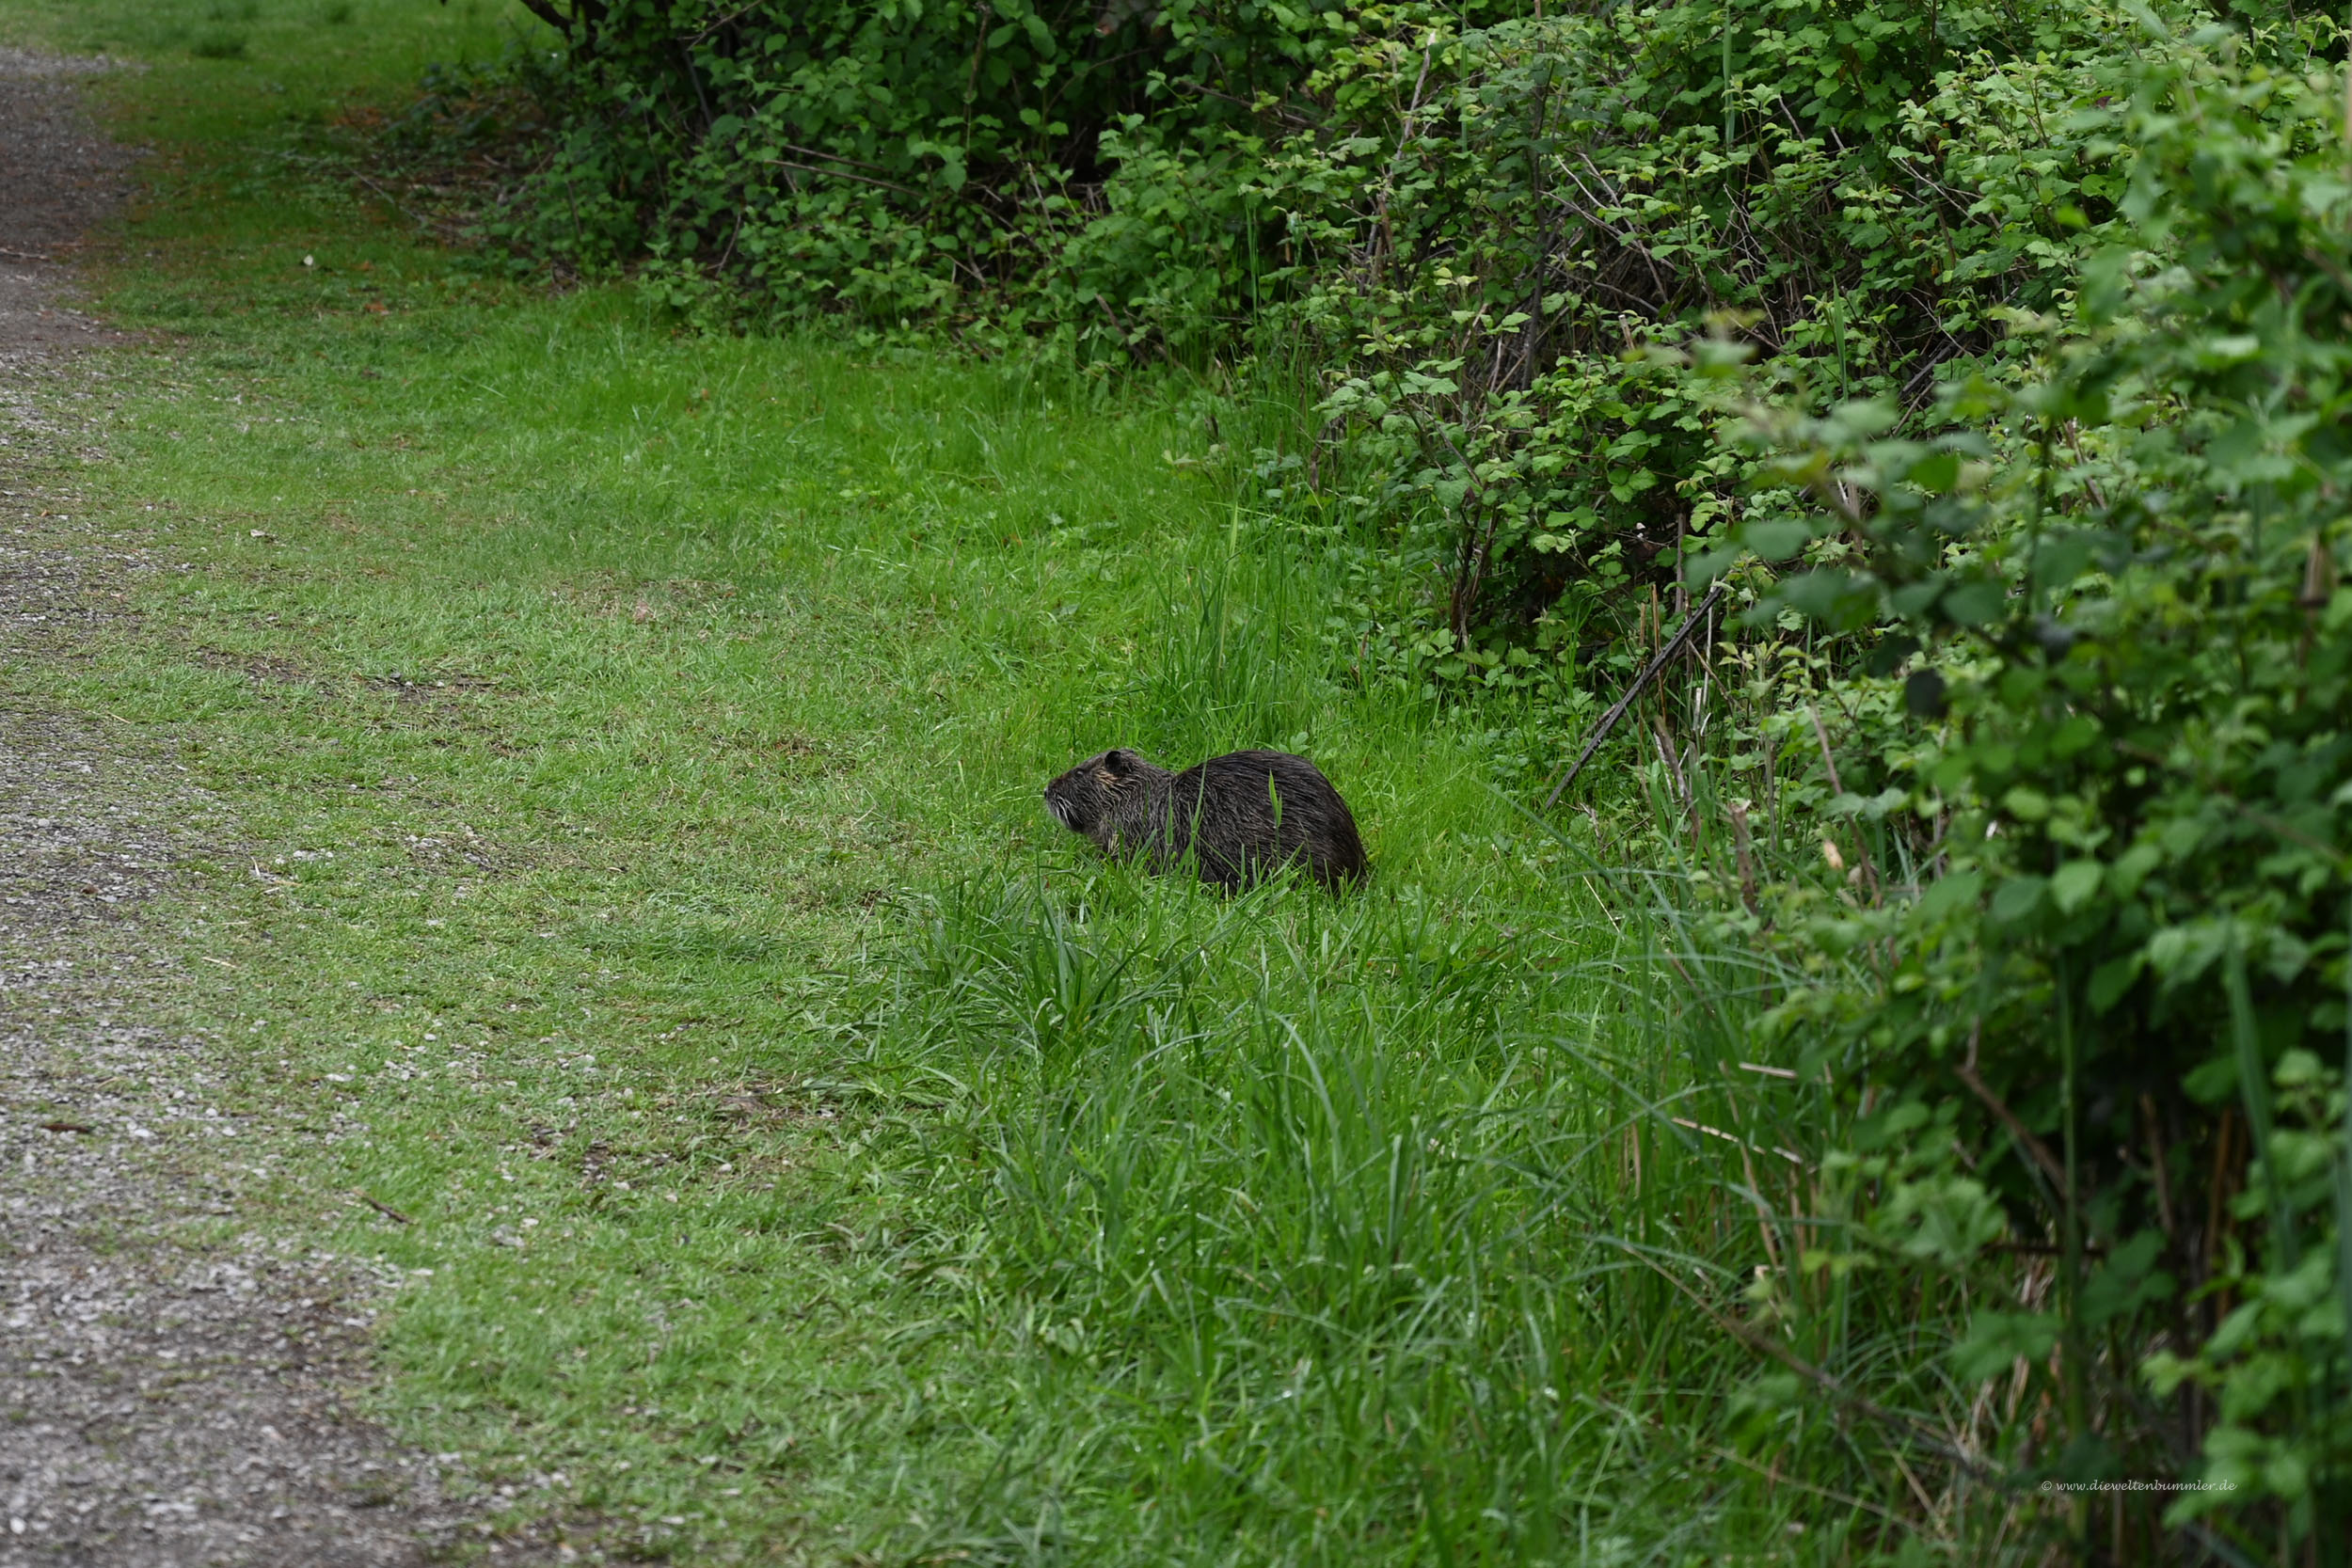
(1441, 1222)
(1357, 1227)
(218, 44)
(1333, 1226)
(337, 14)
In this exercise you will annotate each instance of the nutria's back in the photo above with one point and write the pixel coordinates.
(1236, 818)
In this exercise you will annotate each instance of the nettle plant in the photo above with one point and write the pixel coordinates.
(2095, 1053)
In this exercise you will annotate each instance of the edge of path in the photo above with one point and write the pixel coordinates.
(177, 1383)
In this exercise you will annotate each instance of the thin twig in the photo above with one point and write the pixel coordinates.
(1674, 773)
(2018, 1129)
(844, 174)
(799, 150)
(1779, 1479)
(735, 15)
(1743, 850)
(2158, 1165)
(384, 1208)
(1829, 761)
(1925, 1435)
(1674, 644)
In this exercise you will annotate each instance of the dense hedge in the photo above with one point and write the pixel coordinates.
(1997, 357)
(897, 159)
(2114, 1014)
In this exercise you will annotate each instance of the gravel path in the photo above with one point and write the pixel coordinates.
(57, 176)
(171, 1391)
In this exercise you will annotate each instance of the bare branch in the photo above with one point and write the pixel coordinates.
(1674, 644)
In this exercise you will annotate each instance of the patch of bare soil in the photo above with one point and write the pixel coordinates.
(176, 1385)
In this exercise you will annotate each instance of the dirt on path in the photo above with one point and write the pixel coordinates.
(174, 1388)
(59, 176)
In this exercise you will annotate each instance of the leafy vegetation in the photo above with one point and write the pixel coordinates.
(655, 722)
(2128, 828)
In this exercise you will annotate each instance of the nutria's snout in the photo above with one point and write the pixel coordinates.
(1095, 798)
(1234, 818)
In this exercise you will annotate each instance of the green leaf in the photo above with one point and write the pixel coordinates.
(1776, 538)
(1944, 1220)
(1937, 473)
(1997, 1341)
(2131, 868)
(2018, 899)
(1959, 889)
(1974, 603)
(1838, 600)
(2026, 803)
(2060, 559)
(2076, 885)
(2128, 1282)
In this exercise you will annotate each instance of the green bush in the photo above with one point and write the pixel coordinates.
(899, 160)
(2109, 978)
(1483, 232)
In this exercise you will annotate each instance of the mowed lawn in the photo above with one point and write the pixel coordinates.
(646, 940)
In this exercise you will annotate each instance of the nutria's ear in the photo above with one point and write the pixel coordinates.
(1119, 762)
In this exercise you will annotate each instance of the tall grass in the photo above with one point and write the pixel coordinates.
(1405, 1227)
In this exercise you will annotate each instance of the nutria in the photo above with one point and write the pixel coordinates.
(1235, 818)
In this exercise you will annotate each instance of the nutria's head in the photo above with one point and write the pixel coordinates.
(1086, 800)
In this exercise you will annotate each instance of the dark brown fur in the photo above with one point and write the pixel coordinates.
(1236, 818)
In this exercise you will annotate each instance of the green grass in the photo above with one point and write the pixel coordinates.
(811, 1153)
(294, 56)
